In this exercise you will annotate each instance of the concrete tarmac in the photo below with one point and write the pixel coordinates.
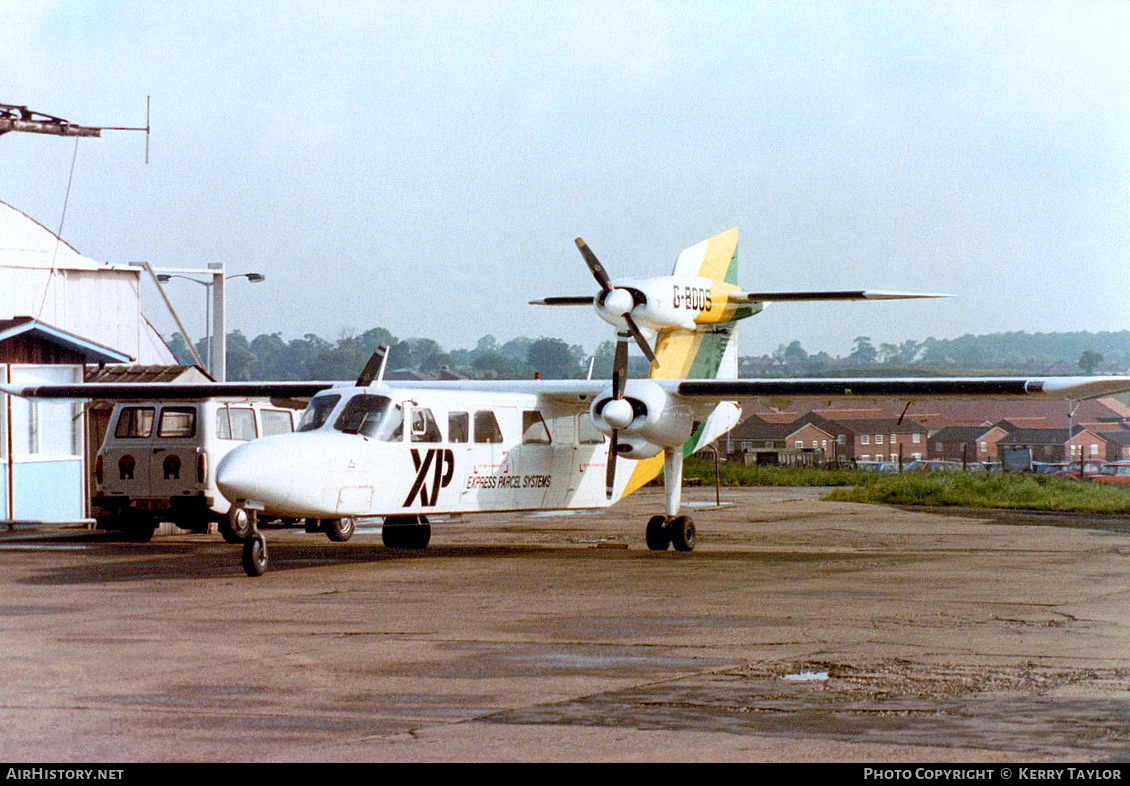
(798, 630)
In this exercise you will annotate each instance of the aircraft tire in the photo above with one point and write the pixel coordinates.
(406, 536)
(255, 555)
(658, 533)
(682, 533)
(238, 525)
(339, 530)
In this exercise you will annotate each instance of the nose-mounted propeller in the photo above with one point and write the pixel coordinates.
(618, 412)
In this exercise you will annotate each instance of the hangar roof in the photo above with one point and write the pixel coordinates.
(27, 327)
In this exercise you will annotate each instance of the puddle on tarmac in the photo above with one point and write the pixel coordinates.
(988, 714)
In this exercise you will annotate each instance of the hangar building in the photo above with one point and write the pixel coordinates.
(59, 311)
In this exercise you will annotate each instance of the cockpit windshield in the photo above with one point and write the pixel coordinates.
(317, 411)
(366, 414)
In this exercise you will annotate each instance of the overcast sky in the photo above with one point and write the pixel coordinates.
(425, 166)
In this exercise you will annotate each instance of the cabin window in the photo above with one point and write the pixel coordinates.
(135, 423)
(486, 427)
(534, 430)
(458, 427)
(424, 428)
(276, 421)
(318, 412)
(587, 432)
(177, 423)
(365, 414)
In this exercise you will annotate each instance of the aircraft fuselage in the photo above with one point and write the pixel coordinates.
(381, 451)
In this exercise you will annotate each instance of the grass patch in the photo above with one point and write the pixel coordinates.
(1010, 490)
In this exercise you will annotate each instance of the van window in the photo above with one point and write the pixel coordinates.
(457, 427)
(534, 430)
(177, 423)
(135, 423)
(424, 428)
(242, 424)
(276, 421)
(486, 427)
(317, 412)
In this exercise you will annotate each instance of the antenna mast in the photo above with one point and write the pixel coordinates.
(20, 118)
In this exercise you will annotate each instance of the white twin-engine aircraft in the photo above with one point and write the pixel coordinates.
(409, 450)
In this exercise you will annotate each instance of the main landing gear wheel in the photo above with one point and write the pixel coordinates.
(658, 537)
(682, 533)
(238, 526)
(664, 531)
(338, 530)
(406, 532)
(255, 555)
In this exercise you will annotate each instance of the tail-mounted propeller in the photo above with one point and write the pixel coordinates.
(615, 300)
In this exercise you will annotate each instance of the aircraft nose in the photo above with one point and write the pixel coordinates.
(256, 471)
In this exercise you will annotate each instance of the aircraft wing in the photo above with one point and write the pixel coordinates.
(137, 391)
(902, 388)
(905, 388)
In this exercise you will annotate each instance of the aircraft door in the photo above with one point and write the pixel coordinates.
(488, 476)
(563, 478)
(532, 462)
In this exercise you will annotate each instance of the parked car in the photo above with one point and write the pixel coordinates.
(1091, 468)
(158, 459)
(886, 467)
(933, 465)
(1114, 472)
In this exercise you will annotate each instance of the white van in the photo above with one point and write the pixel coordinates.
(158, 461)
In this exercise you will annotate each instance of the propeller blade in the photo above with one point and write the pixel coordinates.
(598, 271)
(619, 368)
(641, 342)
(610, 473)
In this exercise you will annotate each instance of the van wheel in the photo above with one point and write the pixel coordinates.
(237, 527)
(138, 527)
(339, 530)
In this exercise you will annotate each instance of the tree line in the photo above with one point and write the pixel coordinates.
(270, 357)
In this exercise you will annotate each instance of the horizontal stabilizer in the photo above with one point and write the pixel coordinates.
(858, 294)
(565, 300)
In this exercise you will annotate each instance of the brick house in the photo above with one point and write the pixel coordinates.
(1054, 444)
(968, 443)
(884, 439)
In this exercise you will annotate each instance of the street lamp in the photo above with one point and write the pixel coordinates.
(214, 297)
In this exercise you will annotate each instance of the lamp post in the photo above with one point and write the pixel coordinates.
(215, 330)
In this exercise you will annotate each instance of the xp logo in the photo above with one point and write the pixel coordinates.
(441, 464)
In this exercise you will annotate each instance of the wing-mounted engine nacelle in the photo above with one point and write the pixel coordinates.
(656, 304)
(646, 419)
